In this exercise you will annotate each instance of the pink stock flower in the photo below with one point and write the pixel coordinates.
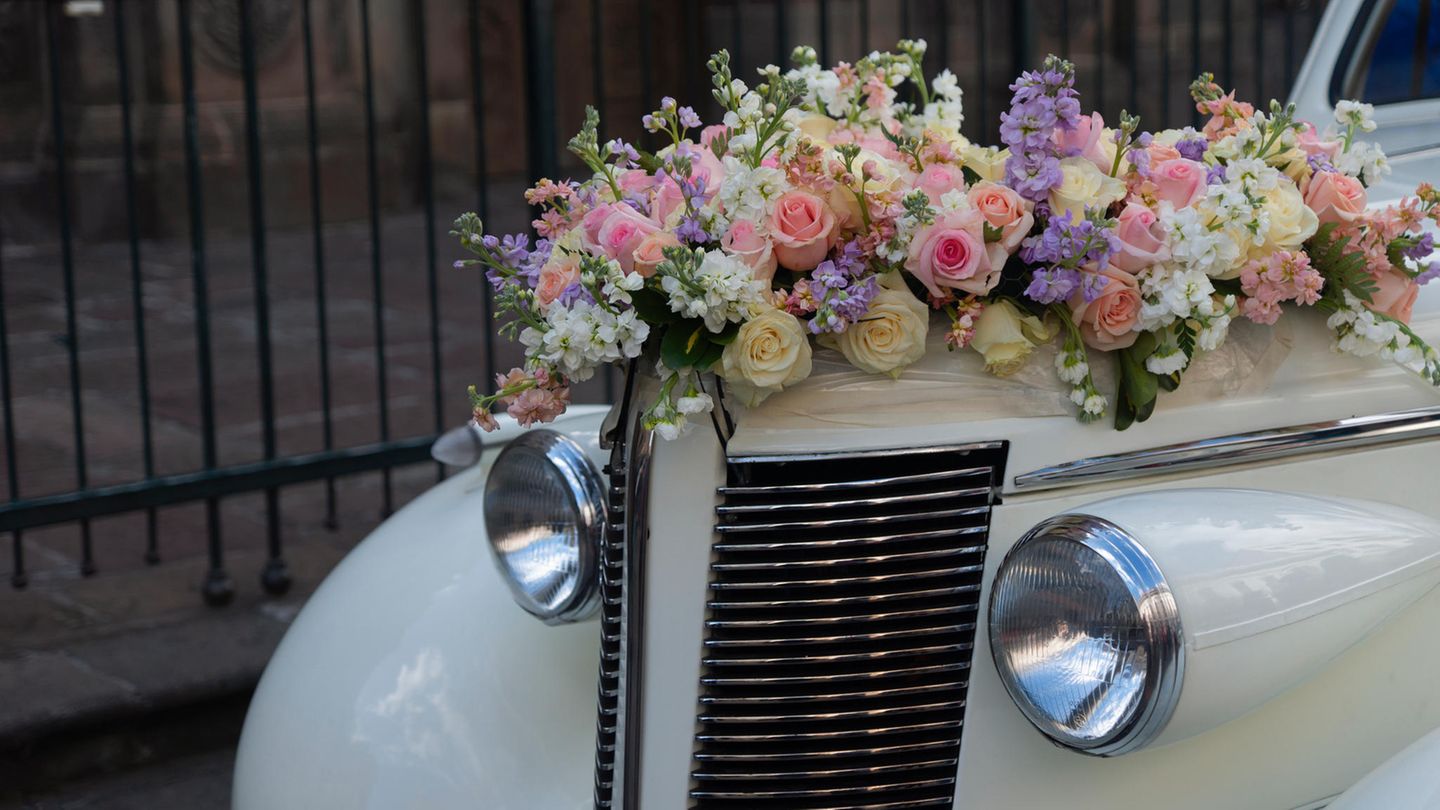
(802, 228)
(538, 405)
(1226, 114)
(1109, 321)
(1142, 239)
(485, 420)
(1282, 276)
(1335, 197)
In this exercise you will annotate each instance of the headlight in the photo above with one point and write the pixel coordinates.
(1086, 635)
(544, 512)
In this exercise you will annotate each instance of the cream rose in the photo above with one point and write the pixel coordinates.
(986, 161)
(891, 336)
(815, 126)
(1006, 337)
(1083, 185)
(769, 352)
(1291, 220)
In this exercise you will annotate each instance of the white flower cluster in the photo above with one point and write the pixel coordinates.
(680, 398)
(1071, 367)
(1360, 332)
(822, 90)
(945, 112)
(721, 290)
(584, 335)
(1169, 295)
(746, 193)
(614, 283)
(1194, 246)
(1355, 114)
(1366, 161)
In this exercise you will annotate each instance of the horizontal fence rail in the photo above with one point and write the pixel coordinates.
(224, 272)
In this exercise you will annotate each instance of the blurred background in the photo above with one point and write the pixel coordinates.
(230, 327)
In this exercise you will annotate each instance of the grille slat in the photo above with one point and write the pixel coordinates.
(840, 628)
(612, 568)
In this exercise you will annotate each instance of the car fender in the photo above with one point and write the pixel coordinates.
(1410, 780)
(411, 678)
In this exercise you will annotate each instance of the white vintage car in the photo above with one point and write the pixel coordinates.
(940, 591)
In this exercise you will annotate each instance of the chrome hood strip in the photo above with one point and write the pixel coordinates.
(1238, 448)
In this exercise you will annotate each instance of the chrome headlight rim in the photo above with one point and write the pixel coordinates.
(1156, 606)
(585, 487)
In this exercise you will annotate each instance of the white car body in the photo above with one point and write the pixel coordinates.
(412, 680)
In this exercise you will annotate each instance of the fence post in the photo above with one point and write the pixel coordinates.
(1019, 36)
(540, 86)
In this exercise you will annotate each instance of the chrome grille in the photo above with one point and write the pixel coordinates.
(843, 599)
(612, 596)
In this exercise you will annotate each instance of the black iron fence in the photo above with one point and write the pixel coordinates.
(224, 282)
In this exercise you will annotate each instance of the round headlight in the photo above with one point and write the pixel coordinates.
(1086, 635)
(544, 513)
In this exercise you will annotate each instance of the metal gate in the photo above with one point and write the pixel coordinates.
(227, 306)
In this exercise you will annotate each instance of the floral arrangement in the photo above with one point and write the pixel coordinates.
(843, 207)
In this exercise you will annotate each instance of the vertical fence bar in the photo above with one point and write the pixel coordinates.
(540, 89)
(18, 577)
(782, 31)
(1134, 48)
(372, 173)
(542, 75)
(1065, 30)
(218, 588)
(983, 58)
(1165, 91)
(482, 191)
(825, 33)
(1227, 24)
(137, 281)
(1194, 53)
(427, 190)
(1100, 60)
(905, 21)
(275, 578)
(1259, 53)
(944, 21)
(1019, 36)
(67, 270)
(864, 26)
(317, 222)
(1289, 43)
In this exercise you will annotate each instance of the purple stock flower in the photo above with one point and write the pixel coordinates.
(1192, 148)
(1428, 275)
(688, 118)
(1422, 248)
(575, 292)
(690, 230)
(1042, 101)
(842, 290)
(1052, 285)
(625, 155)
(1091, 286)
(1215, 175)
(1319, 163)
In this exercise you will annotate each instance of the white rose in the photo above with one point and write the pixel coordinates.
(1005, 337)
(815, 126)
(1082, 184)
(891, 335)
(769, 352)
(986, 161)
(1291, 220)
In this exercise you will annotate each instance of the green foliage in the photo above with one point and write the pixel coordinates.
(1139, 388)
(1341, 270)
(688, 344)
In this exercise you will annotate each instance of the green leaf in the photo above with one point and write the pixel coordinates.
(727, 335)
(992, 233)
(685, 344)
(971, 176)
(1139, 389)
(650, 304)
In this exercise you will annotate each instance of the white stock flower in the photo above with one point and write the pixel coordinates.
(1366, 161)
(745, 192)
(1168, 361)
(1354, 113)
(722, 290)
(582, 336)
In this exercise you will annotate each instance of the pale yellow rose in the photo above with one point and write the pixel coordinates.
(892, 334)
(1083, 185)
(814, 125)
(770, 351)
(1291, 220)
(1244, 242)
(1292, 162)
(986, 161)
(1005, 336)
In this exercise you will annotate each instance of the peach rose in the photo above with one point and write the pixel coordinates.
(1179, 182)
(1002, 208)
(622, 232)
(1161, 152)
(651, 252)
(802, 228)
(1109, 321)
(751, 247)
(556, 276)
(1142, 239)
(938, 178)
(1335, 197)
(1084, 141)
(952, 253)
(1396, 296)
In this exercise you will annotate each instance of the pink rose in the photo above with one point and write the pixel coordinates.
(1396, 296)
(748, 245)
(1142, 239)
(710, 133)
(1109, 321)
(622, 232)
(650, 252)
(706, 170)
(555, 277)
(1179, 182)
(952, 253)
(592, 221)
(1002, 208)
(939, 178)
(1335, 197)
(1084, 141)
(1309, 141)
(802, 228)
(636, 181)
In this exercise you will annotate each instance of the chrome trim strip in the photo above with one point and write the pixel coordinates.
(823, 792)
(886, 635)
(938, 725)
(848, 503)
(1238, 448)
(829, 696)
(842, 752)
(729, 528)
(869, 675)
(945, 762)
(840, 658)
(850, 454)
(870, 540)
(632, 615)
(864, 483)
(740, 624)
(871, 559)
(865, 599)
